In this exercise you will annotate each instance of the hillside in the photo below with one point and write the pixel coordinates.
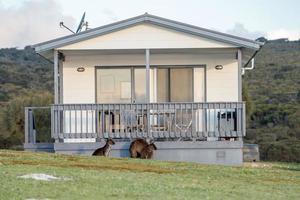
(22, 71)
(26, 79)
(82, 177)
(272, 90)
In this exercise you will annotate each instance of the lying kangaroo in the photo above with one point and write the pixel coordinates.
(139, 148)
(104, 151)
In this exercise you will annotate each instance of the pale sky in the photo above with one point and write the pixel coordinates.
(26, 22)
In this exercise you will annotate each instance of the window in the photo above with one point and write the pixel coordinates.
(113, 85)
(116, 85)
(167, 84)
(140, 85)
(180, 84)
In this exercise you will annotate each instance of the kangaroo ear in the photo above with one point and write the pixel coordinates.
(155, 148)
(148, 141)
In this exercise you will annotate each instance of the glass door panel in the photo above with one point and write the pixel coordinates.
(199, 84)
(140, 85)
(114, 85)
(163, 93)
(181, 85)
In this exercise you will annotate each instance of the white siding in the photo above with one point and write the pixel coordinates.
(146, 36)
(79, 87)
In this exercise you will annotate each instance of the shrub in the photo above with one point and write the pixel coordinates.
(12, 117)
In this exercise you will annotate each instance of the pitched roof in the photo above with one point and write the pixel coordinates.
(163, 22)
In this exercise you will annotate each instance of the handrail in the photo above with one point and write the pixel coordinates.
(154, 120)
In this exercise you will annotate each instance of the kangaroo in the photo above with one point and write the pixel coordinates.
(136, 147)
(147, 152)
(139, 148)
(104, 151)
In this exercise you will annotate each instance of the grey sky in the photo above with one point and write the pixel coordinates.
(26, 22)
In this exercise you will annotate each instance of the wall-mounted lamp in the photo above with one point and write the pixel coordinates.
(80, 69)
(219, 67)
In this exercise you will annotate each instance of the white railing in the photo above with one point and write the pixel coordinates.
(152, 120)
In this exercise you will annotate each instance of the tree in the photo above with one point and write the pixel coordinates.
(12, 116)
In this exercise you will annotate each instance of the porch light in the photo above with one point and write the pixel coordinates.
(219, 67)
(80, 69)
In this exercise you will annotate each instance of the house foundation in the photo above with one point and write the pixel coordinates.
(206, 152)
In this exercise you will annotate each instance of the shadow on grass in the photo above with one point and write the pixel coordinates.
(293, 167)
(66, 161)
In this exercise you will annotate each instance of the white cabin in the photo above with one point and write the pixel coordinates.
(153, 78)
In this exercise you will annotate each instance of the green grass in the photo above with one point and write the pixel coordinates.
(107, 178)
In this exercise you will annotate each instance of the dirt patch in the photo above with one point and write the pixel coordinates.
(8, 155)
(95, 166)
(257, 165)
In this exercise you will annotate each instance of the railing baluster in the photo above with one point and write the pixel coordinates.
(208, 127)
(244, 119)
(125, 120)
(86, 122)
(234, 123)
(103, 121)
(192, 120)
(69, 131)
(216, 126)
(53, 135)
(114, 121)
(81, 129)
(226, 118)
(96, 128)
(165, 123)
(186, 123)
(93, 120)
(149, 132)
(142, 120)
(31, 130)
(181, 120)
(239, 116)
(122, 121)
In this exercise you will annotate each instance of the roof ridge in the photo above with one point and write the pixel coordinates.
(160, 21)
(201, 28)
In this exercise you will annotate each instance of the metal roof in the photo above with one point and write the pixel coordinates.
(147, 18)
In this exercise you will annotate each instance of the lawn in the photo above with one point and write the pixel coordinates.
(111, 178)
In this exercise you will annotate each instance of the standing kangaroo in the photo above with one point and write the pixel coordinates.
(139, 148)
(104, 151)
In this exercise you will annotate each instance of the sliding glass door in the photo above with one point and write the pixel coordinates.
(167, 84)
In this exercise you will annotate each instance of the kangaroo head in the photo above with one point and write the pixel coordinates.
(152, 146)
(110, 142)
